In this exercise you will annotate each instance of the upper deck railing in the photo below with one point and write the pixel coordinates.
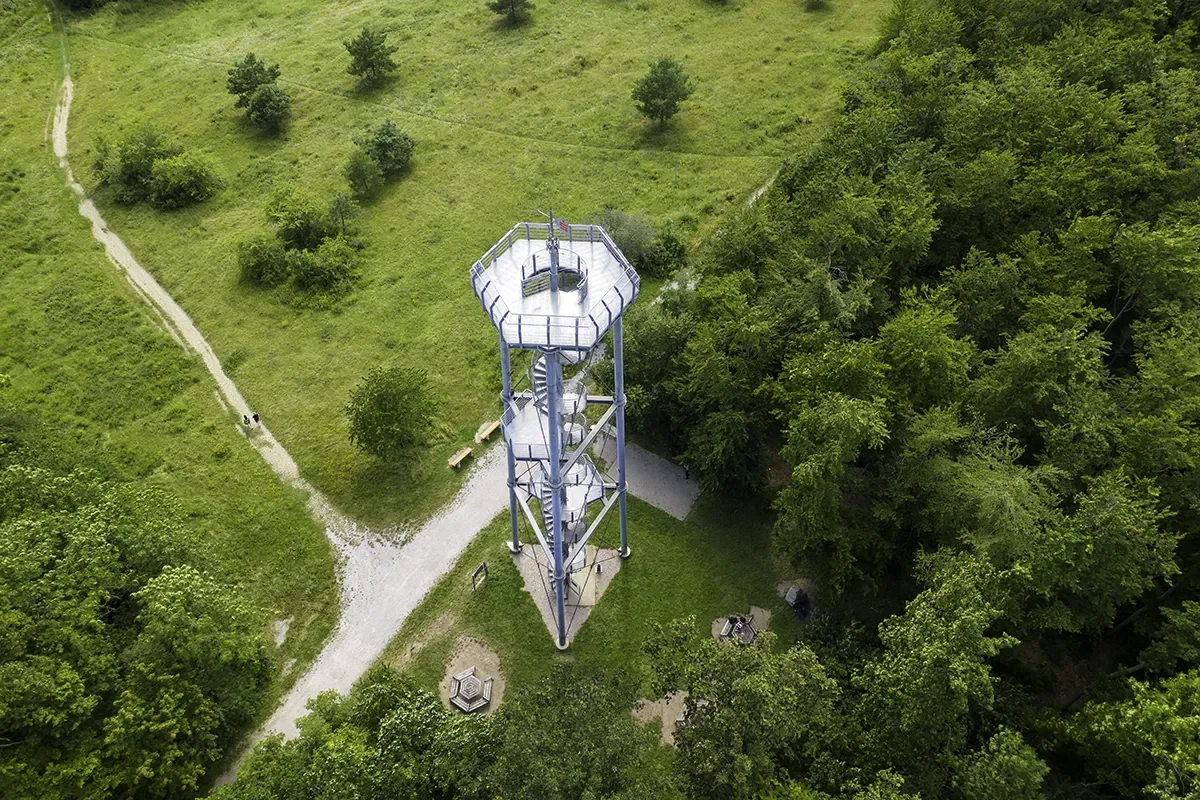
(580, 332)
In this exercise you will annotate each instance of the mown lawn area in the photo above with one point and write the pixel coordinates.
(506, 121)
(95, 376)
(716, 562)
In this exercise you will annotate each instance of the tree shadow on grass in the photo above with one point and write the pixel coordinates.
(371, 90)
(659, 136)
(505, 24)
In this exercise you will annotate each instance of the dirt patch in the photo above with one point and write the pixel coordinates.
(469, 653)
(667, 710)
(587, 585)
(430, 633)
(762, 620)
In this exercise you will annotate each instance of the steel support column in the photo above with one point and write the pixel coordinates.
(553, 397)
(506, 397)
(619, 397)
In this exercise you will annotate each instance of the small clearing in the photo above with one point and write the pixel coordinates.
(667, 710)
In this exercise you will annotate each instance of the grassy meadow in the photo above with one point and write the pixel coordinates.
(109, 389)
(506, 120)
(716, 562)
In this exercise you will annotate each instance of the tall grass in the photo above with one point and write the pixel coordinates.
(506, 121)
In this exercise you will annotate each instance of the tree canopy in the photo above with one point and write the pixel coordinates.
(127, 666)
(370, 56)
(660, 91)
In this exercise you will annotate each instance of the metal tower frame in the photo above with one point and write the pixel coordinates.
(560, 307)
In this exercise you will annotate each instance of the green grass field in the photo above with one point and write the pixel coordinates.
(506, 121)
(87, 358)
(714, 563)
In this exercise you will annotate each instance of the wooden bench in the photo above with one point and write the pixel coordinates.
(486, 430)
(459, 457)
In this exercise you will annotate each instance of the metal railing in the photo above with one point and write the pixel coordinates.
(544, 330)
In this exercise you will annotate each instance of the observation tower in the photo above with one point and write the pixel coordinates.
(555, 289)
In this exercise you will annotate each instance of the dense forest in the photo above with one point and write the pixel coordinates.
(126, 665)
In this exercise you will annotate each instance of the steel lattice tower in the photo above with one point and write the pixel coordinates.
(556, 289)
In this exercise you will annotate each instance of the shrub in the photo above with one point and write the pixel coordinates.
(269, 107)
(330, 269)
(363, 173)
(665, 254)
(390, 412)
(390, 147)
(128, 168)
(631, 232)
(663, 88)
(262, 261)
(370, 55)
(298, 219)
(341, 208)
(182, 180)
(248, 75)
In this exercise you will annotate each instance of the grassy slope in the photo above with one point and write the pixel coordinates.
(86, 355)
(715, 563)
(506, 121)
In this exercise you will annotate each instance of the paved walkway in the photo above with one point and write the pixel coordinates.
(654, 479)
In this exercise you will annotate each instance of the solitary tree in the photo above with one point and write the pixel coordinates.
(514, 11)
(247, 75)
(390, 147)
(660, 92)
(390, 412)
(370, 55)
(269, 107)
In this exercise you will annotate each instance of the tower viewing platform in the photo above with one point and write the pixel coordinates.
(556, 289)
(595, 285)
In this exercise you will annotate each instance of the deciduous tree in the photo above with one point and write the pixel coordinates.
(390, 412)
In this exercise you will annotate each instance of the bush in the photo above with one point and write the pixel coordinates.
(665, 254)
(128, 168)
(363, 173)
(370, 55)
(390, 412)
(390, 147)
(262, 261)
(300, 222)
(631, 232)
(269, 107)
(331, 269)
(341, 209)
(182, 180)
(248, 75)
